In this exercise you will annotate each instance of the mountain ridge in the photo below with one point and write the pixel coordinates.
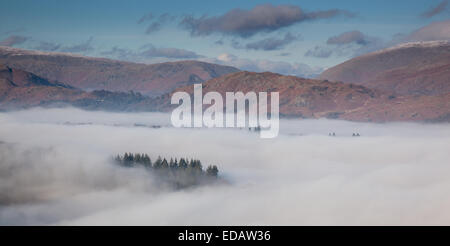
(309, 98)
(418, 68)
(92, 73)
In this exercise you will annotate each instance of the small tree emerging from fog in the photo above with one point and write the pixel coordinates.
(212, 171)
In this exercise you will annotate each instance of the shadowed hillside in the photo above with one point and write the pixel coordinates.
(89, 73)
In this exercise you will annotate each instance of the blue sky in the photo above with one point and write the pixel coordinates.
(300, 47)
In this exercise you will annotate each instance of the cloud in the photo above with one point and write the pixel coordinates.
(349, 37)
(351, 43)
(83, 47)
(319, 52)
(439, 30)
(356, 43)
(262, 18)
(236, 44)
(149, 51)
(79, 48)
(146, 17)
(303, 177)
(272, 43)
(166, 17)
(14, 40)
(441, 7)
(261, 65)
(156, 25)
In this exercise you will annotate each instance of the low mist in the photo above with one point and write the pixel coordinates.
(56, 169)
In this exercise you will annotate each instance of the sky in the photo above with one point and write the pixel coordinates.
(290, 37)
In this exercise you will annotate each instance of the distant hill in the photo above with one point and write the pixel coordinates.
(90, 73)
(420, 68)
(19, 88)
(299, 97)
(307, 98)
(22, 89)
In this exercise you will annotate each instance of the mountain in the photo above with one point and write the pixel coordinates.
(308, 98)
(90, 73)
(299, 97)
(420, 68)
(19, 88)
(22, 89)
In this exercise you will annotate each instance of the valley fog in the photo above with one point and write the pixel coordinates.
(55, 169)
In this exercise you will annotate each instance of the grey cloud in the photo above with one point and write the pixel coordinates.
(166, 17)
(146, 17)
(14, 40)
(351, 43)
(441, 7)
(156, 25)
(349, 37)
(262, 18)
(272, 43)
(355, 43)
(236, 44)
(319, 52)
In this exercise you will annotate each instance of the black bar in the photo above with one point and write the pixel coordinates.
(271, 235)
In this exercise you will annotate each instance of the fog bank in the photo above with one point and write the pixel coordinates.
(55, 169)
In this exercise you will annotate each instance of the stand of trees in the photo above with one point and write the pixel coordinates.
(181, 173)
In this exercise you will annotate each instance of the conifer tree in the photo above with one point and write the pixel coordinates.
(183, 163)
(212, 171)
(165, 164)
(158, 163)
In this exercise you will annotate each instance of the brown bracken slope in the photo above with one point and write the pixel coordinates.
(421, 68)
(306, 98)
(89, 73)
(19, 88)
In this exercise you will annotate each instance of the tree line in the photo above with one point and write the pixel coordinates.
(182, 173)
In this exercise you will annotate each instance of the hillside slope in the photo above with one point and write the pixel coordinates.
(421, 68)
(19, 88)
(89, 73)
(307, 98)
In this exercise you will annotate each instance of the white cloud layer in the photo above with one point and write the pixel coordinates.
(53, 172)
